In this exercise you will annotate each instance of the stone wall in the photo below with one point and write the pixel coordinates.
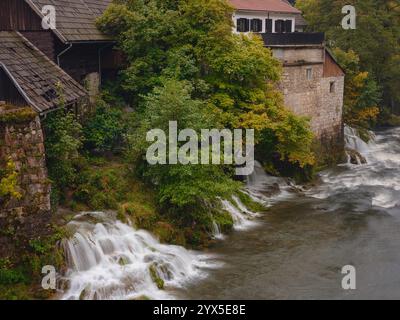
(314, 99)
(21, 140)
(318, 97)
(296, 54)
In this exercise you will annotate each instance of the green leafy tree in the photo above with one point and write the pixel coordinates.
(178, 185)
(362, 93)
(104, 131)
(192, 40)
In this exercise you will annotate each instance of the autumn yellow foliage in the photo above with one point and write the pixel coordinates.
(9, 181)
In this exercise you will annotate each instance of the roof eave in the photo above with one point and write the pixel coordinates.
(271, 11)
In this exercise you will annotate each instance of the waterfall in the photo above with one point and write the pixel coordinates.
(353, 140)
(241, 221)
(108, 259)
(378, 177)
(357, 150)
(266, 189)
(111, 260)
(216, 231)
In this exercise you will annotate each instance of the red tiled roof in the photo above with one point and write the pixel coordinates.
(264, 5)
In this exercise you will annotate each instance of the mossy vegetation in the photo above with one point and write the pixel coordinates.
(155, 277)
(21, 272)
(12, 114)
(108, 184)
(250, 203)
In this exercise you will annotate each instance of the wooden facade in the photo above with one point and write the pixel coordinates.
(18, 15)
(77, 46)
(331, 67)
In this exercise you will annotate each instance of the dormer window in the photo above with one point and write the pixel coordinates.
(242, 25)
(256, 25)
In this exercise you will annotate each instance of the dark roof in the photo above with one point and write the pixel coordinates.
(75, 19)
(34, 75)
(264, 5)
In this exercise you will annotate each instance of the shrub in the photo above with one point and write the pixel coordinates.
(105, 129)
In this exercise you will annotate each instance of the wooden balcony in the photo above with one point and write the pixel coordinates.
(293, 39)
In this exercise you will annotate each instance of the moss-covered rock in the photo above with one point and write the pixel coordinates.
(155, 277)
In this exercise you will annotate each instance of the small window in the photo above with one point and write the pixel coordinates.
(242, 25)
(332, 87)
(256, 25)
(309, 73)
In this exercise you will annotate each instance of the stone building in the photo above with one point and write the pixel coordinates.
(312, 82)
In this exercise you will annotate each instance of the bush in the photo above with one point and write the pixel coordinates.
(105, 129)
(63, 141)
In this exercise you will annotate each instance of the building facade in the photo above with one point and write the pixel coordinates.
(312, 82)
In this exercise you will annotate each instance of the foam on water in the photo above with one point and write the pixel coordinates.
(112, 260)
(380, 177)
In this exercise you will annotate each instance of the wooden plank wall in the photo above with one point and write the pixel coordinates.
(81, 60)
(44, 41)
(331, 68)
(17, 15)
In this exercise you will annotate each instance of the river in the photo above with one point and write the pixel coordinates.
(294, 251)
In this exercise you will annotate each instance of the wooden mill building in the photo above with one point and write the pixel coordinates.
(35, 61)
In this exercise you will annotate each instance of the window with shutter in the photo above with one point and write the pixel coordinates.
(288, 26)
(242, 25)
(256, 25)
(279, 26)
(268, 26)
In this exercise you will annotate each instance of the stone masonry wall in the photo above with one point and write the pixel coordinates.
(313, 99)
(23, 142)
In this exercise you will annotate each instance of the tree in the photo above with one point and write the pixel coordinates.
(192, 40)
(375, 39)
(177, 184)
(362, 94)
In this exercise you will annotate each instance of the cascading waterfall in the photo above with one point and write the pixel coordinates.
(379, 177)
(112, 260)
(353, 140)
(356, 148)
(267, 189)
(108, 259)
(241, 220)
